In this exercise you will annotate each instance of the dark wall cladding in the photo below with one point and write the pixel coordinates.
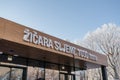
(35, 63)
(15, 59)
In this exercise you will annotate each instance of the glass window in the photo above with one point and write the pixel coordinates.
(64, 76)
(51, 72)
(35, 70)
(4, 73)
(35, 73)
(16, 74)
(94, 74)
(80, 75)
(9, 73)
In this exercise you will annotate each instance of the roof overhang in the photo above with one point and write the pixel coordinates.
(16, 39)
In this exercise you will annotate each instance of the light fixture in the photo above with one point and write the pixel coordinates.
(16, 55)
(1, 52)
(9, 58)
(63, 67)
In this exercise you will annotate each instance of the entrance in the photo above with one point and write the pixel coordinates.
(12, 73)
(65, 76)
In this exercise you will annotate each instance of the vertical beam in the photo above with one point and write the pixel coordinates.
(10, 73)
(104, 73)
(59, 71)
(27, 64)
(44, 69)
(24, 74)
(74, 78)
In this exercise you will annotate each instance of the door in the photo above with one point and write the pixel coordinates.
(12, 73)
(65, 76)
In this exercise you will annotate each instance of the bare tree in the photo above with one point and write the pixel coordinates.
(106, 40)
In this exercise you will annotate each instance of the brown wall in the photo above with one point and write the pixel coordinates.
(12, 37)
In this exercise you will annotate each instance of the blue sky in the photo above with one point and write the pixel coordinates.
(65, 19)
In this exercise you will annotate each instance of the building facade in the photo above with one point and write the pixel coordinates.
(28, 54)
